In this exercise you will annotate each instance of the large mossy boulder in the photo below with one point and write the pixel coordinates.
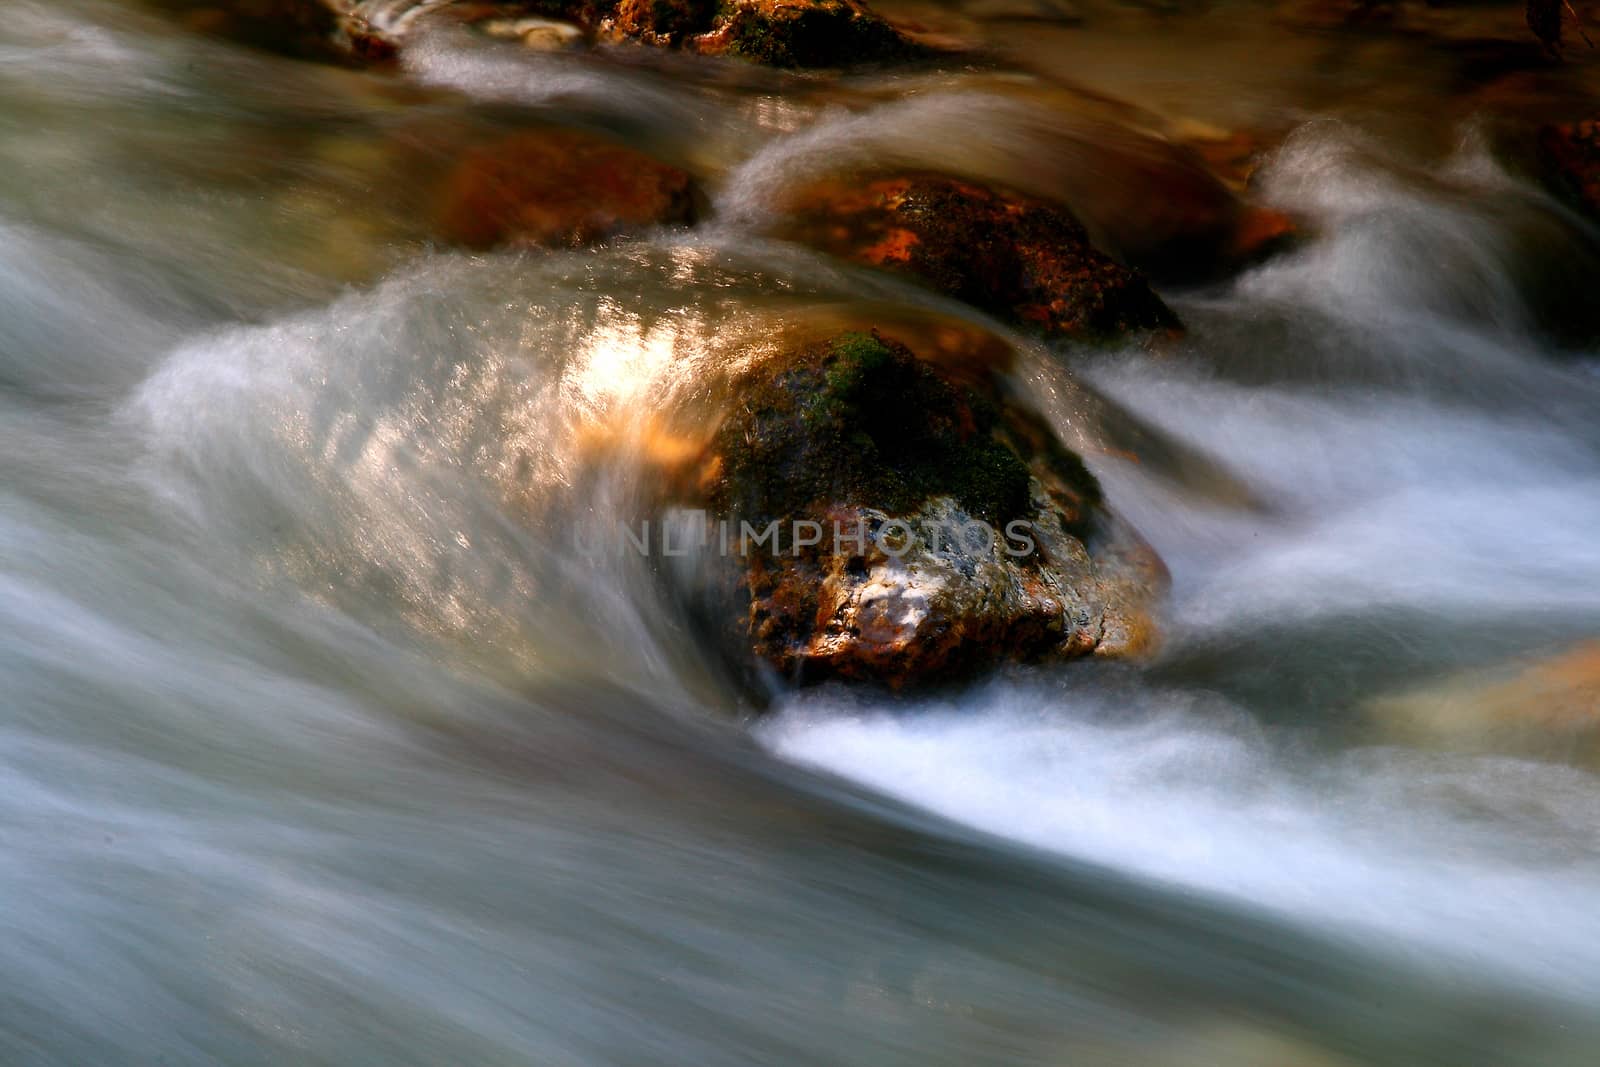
(1016, 257)
(559, 188)
(881, 518)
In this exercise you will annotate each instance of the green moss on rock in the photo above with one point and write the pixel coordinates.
(860, 420)
(856, 433)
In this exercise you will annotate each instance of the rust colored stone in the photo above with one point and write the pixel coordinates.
(1016, 257)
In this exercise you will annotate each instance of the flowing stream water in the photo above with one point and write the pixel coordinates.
(322, 743)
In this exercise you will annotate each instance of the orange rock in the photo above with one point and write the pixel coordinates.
(560, 188)
(1016, 257)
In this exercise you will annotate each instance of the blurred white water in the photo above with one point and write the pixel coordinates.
(321, 744)
(1433, 463)
(1486, 865)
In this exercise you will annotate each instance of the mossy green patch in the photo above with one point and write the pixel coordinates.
(861, 421)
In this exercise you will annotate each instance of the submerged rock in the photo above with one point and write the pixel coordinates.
(1016, 257)
(560, 188)
(874, 517)
(1549, 708)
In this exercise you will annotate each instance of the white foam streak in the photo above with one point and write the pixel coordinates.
(1406, 852)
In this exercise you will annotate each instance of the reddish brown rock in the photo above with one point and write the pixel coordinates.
(1569, 153)
(560, 188)
(1016, 257)
(899, 467)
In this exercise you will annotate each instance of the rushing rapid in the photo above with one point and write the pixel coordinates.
(325, 743)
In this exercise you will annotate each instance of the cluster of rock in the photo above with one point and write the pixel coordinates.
(780, 33)
(899, 517)
(959, 531)
(1017, 257)
(967, 533)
